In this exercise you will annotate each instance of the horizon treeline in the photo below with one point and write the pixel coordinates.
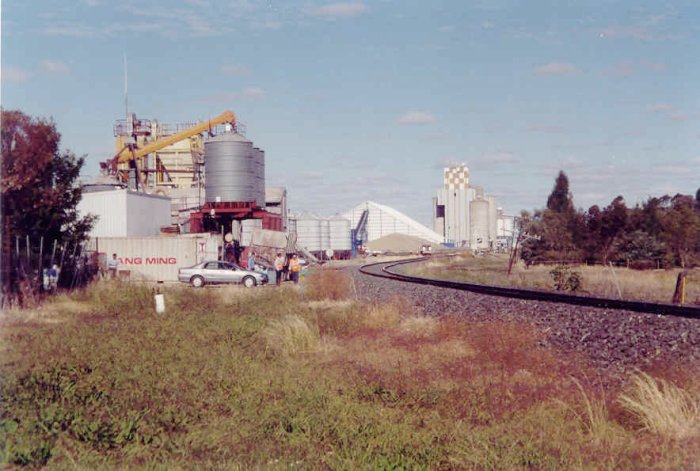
(661, 232)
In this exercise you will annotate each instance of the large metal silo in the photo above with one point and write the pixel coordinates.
(340, 233)
(309, 232)
(325, 234)
(230, 169)
(479, 222)
(259, 166)
(493, 220)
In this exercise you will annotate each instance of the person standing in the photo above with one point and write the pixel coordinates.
(279, 267)
(113, 266)
(53, 277)
(251, 261)
(294, 268)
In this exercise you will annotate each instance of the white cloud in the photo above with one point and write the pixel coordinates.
(69, 30)
(497, 158)
(13, 74)
(54, 67)
(625, 32)
(416, 117)
(249, 93)
(684, 116)
(236, 70)
(133, 27)
(545, 128)
(253, 92)
(660, 108)
(628, 68)
(556, 68)
(199, 26)
(336, 10)
(265, 24)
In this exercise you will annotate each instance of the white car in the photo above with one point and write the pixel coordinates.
(216, 272)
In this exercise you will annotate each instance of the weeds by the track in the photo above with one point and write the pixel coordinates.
(662, 407)
(235, 378)
(644, 285)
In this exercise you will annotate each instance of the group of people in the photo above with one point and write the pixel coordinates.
(282, 266)
(293, 267)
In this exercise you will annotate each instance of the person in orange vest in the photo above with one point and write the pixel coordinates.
(294, 268)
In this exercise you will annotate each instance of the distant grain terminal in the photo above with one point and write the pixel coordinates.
(174, 195)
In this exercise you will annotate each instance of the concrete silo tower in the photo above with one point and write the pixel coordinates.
(451, 212)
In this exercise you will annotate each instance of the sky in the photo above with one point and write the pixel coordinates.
(370, 100)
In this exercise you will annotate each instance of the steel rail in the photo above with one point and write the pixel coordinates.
(382, 270)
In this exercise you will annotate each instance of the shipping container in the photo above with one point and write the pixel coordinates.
(157, 258)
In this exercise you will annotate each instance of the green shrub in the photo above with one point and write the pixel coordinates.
(566, 279)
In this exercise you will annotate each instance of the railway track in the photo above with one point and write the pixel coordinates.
(384, 270)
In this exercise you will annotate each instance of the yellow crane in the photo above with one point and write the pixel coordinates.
(132, 156)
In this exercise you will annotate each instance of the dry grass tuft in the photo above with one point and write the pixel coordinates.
(291, 334)
(595, 418)
(662, 408)
(418, 326)
(383, 316)
(329, 284)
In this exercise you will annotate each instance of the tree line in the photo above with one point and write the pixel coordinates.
(660, 232)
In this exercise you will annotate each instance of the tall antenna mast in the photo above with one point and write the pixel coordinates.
(126, 95)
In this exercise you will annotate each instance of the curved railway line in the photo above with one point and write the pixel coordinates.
(383, 269)
(614, 335)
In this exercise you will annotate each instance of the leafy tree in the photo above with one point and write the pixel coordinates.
(556, 227)
(560, 200)
(640, 249)
(39, 187)
(612, 224)
(647, 217)
(681, 228)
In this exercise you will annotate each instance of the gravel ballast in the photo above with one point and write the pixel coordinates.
(612, 340)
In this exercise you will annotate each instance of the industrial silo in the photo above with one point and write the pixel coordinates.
(325, 234)
(309, 232)
(340, 234)
(259, 165)
(261, 177)
(479, 222)
(230, 169)
(493, 220)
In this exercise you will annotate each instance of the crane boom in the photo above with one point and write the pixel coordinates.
(126, 154)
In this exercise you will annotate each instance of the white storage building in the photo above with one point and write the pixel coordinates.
(122, 212)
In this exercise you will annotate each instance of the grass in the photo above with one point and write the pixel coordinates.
(662, 407)
(648, 285)
(237, 379)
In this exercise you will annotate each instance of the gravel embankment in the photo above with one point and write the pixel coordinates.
(614, 341)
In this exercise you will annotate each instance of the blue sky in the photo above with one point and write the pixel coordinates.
(370, 100)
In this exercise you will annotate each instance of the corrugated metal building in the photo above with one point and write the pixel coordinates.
(123, 212)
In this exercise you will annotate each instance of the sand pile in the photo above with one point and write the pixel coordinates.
(398, 243)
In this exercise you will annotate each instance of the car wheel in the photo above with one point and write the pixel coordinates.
(249, 282)
(197, 281)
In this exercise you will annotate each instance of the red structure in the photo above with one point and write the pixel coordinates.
(225, 212)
